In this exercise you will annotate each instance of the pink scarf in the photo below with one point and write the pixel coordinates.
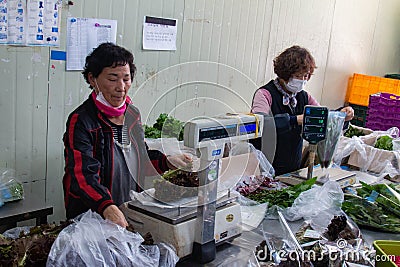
(109, 110)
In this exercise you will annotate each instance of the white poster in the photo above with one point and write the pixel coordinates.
(3, 22)
(33, 22)
(17, 15)
(85, 34)
(159, 33)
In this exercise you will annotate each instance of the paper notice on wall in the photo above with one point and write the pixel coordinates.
(159, 33)
(33, 22)
(85, 34)
(43, 22)
(16, 17)
(4, 11)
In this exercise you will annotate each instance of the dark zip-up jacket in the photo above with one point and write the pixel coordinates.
(88, 152)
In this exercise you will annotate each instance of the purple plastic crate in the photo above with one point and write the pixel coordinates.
(383, 111)
(384, 100)
(379, 125)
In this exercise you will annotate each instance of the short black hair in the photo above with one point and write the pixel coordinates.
(107, 55)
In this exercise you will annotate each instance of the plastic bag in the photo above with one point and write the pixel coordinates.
(15, 232)
(93, 241)
(312, 203)
(10, 188)
(363, 154)
(266, 168)
(326, 148)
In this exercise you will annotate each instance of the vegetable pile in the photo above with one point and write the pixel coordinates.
(284, 197)
(374, 207)
(249, 184)
(352, 131)
(384, 142)
(176, 184)
(30, 249)
(165, 126)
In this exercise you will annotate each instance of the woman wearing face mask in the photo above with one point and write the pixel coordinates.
(104, 149)
(284, 98)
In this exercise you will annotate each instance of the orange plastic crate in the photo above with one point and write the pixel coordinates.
(360, 86)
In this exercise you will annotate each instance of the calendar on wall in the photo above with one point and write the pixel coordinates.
(30, 22)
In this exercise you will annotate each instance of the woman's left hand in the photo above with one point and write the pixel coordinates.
(349, 113)
(180, 161)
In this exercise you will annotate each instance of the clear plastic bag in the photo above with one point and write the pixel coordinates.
(266, 168)
(319, 199)
(326, 148)
(10, 188)
(93, 241)
(249, 183)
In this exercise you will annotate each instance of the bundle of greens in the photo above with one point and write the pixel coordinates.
(165, 126)
(384, 142)
(352, 131)
(374, 206)
(284, 197)
(175, 185)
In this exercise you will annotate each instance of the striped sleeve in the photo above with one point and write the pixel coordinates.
(83, 169)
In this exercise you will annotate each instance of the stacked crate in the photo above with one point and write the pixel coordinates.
(359, 89)
(383, 111)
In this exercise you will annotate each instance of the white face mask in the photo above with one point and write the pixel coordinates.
(295, 85)
(100, 97)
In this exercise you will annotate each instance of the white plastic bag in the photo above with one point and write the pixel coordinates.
(326, 199)
(93, 241)
(364, 155)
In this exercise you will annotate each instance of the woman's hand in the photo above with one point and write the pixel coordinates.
(180, 161)
(349, 113)
(114, 214)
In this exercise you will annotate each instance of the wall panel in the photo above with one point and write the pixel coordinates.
(224, 52)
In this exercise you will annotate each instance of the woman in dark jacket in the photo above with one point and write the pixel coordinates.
(105, 153)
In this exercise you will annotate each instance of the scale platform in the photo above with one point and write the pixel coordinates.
(178, 214)
(343, 177)
(177, 225)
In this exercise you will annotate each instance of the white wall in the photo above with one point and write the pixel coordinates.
(224, 52)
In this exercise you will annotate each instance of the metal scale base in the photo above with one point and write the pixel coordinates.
(176, 226)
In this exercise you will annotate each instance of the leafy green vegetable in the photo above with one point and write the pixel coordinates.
(284, 197)
(165, 126)
(370, 215)
(374, 206)
(384, 142)
(151, 132)
(352, 131)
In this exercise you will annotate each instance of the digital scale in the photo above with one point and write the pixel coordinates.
(315, 121)
(196, 230)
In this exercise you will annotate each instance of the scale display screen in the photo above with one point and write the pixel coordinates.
(219, 132)
(315, 120)
(247, 128)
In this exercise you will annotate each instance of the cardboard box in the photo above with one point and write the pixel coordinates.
(240, 165)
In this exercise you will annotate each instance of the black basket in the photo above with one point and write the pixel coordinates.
(360, 115)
